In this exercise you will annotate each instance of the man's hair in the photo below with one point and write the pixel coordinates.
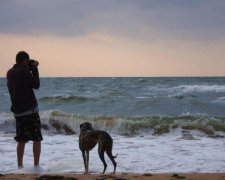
(21, 57)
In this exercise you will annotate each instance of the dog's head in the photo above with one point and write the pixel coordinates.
(85, 126)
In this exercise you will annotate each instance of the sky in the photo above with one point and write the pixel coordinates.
(89, 38)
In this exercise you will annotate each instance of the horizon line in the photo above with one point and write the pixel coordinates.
(208, 76)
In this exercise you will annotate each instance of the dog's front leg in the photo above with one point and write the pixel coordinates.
(85, 161)
(87, 154)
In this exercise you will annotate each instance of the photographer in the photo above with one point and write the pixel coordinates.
(22, 78)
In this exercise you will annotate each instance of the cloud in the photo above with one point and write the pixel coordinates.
(143, 19)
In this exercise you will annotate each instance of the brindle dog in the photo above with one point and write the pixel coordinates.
(88, 139)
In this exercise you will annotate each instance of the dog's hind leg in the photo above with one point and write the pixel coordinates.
(101, 155)
(111, 157)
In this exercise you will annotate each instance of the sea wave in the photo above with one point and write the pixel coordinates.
(55, 121)
(64, 98)
(185, 89)
(219, 100)
(201, 88)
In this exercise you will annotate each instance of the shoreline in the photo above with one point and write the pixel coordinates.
(117, 176)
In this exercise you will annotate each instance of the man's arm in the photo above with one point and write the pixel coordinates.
(33, 77)
(36, 79)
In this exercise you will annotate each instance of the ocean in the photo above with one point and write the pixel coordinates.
(159, 124)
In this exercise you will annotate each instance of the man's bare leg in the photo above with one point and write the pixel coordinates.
(36, 152)
(20, 153)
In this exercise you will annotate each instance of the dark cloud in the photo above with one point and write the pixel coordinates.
(144, 19)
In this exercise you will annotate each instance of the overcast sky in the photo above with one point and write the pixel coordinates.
(116, 37)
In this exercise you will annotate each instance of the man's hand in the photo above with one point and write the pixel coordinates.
(35, 63)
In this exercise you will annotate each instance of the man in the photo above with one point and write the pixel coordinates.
(22, 78)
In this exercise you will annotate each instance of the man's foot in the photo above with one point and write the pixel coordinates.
(38, 170)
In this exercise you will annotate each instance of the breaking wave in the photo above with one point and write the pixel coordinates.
(55, 121)
(200, 88)
(186, 89)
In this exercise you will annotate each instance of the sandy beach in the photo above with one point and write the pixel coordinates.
(122, 176)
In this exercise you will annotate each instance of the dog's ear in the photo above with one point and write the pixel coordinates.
(81, 125)
(89, 126)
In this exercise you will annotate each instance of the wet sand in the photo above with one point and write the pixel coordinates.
(119, 176)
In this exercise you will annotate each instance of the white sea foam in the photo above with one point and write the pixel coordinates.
(181, 89)
(141, 97)
(5, 117)
(156, 154)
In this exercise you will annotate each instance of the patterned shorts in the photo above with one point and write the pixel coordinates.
(28, 128)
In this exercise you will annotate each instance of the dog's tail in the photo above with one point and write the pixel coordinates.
(115, 156)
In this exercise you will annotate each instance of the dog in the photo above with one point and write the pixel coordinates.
(88, 139)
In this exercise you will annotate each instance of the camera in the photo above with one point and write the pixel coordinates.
(31, 63)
